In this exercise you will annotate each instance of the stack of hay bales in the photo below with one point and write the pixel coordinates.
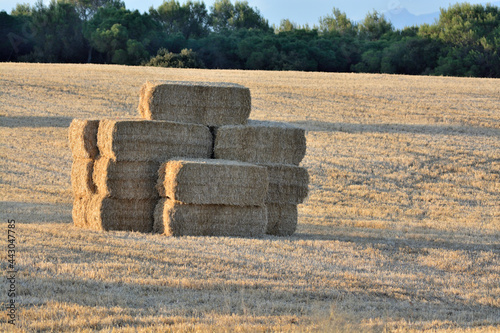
(280, 148)
(219, 174)
(83, 144)
(211, 197)
(125, 173)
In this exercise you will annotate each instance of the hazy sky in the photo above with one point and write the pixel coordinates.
(300, 11)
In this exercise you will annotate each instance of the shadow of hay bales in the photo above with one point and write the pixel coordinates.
(35, 122)
(323, 126)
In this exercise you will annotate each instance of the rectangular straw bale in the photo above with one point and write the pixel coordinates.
(288, 184)
(282, 219)
(175, 219)
(79, 212)
(147, 140)
(104, 213)
(206, 103)
(126, 179)
(213, 182)
(81, 177)
(261, 142)
(82, 135)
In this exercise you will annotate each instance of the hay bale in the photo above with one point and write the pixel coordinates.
(125, 179)
(104, 213)
(261, 142)
(282, 219)
(206, 103)
(213, 182)
(81, 177)
(79, 211)
(175, 219)
(147, 140)
(82, 135)
(288, 184)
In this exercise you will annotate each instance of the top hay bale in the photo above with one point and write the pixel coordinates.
(82, 137)
(205, 103)
(153, 141)
(261, 142)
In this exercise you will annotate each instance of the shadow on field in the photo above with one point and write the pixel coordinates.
(14, 122)
(323, 126)
(32, 212)
(416, 242)
(187, 297)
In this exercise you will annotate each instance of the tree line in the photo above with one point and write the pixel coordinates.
(464, 41)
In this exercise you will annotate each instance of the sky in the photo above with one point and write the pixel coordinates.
(300, 11)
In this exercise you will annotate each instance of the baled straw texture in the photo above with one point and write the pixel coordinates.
(79, 212)
(261, 142)
(82, 135)
(175, 219)
(126, 179)
(104, 213)
(288, 184)
(146, 140)
(282, 219)
(206, 103)
(213, 182)
(81, 177)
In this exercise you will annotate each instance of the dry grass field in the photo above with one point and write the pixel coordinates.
(400, 232)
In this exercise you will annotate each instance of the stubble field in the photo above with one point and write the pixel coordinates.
(400, 232)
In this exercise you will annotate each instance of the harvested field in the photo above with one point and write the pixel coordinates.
(399, 231)
(211, 104)
(213, 182)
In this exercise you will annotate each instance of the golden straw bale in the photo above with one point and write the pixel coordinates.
(82, 135)
(213, 182)
(126, 179)
(261, 142)
(206, 103)
(175, 219)
(288, 184)
(282, 219)
(104, 213)
(81, 177)
(147, 140)
(79, 211)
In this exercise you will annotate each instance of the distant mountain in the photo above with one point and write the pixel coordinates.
(401, 17)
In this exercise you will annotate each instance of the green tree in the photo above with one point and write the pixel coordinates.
(190, 19)
(374, 26)
(14, 36)
(56, 32)
(337, 23)
(122, 36)
(226, 16)
(185, 59)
